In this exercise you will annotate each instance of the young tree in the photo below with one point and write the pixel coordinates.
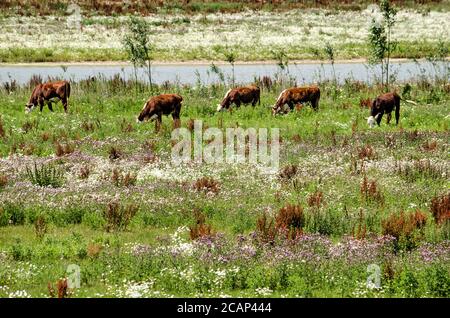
(329, 51)
(137, 45)
(380, 40)
(389, 14)
(377, 40)
(230, 57)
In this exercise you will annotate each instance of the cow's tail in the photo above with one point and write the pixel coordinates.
(67, 87)
(259, 95)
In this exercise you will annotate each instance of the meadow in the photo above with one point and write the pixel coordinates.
(203, 36)
(96, 189)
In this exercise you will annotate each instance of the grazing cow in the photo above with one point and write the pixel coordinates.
(384, 103)
(244, 95)
(164, 104)
(48, 93)
(296, 95)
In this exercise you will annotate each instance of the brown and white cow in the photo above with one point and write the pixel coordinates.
(238, 95)
(295, 95)
(384, 103)
(48, 93)
(164, 104)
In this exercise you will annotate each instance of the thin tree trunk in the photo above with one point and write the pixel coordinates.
(150, 75)
(388, 55)
(382, 73)
(232, 66)
(135, 77)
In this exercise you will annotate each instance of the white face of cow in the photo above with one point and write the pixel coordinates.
(219, 107)
(29, 108)
(371, 121)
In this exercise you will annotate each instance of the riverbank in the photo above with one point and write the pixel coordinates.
(200, 62)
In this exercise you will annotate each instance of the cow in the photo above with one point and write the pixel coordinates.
(47, 93)
(296, 95)
(384, 103)
(157, 106)
(238, 95)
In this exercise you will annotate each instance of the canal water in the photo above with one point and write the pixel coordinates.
(244, 73)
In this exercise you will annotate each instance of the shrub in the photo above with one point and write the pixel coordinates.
(365, 103)
(45, 176)
(366, 152)
(28, 126)
(404, 228)
(288, 223)
(265, 229)
(114, 153)
(126, 127)
(370, 192)
(440, 208)
(84, 173)
(2, 129)
(40, 226)
(45, 136)
(291, 220)
(288, 172)
(3, 181)
(207, 184)
(93, 250)
(120, 179)
(360, 232)
(200, 229)
(62, 288)
(118, 216)
(429, 145)
(65, 149)
(315, 200)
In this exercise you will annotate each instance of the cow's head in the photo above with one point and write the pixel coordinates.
(29, 107)
(143, 114)
(375, 113)
(225, 104)
(276, 109)
(146, 114)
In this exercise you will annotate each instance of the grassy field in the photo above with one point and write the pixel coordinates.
(251, 35)
(137, 226)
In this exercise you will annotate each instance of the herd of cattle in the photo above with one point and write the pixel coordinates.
(167, 104)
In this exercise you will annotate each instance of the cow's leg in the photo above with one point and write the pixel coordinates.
(65, 102)
(291, 105)
(49, 104)
(315, 104)
(397, 112)
(378, 117)
(238, 103)
(158, 122)
(41, 104)
(176, 118)
(388, 118)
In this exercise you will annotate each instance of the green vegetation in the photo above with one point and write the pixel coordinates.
(138, 226)
(410, 50)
